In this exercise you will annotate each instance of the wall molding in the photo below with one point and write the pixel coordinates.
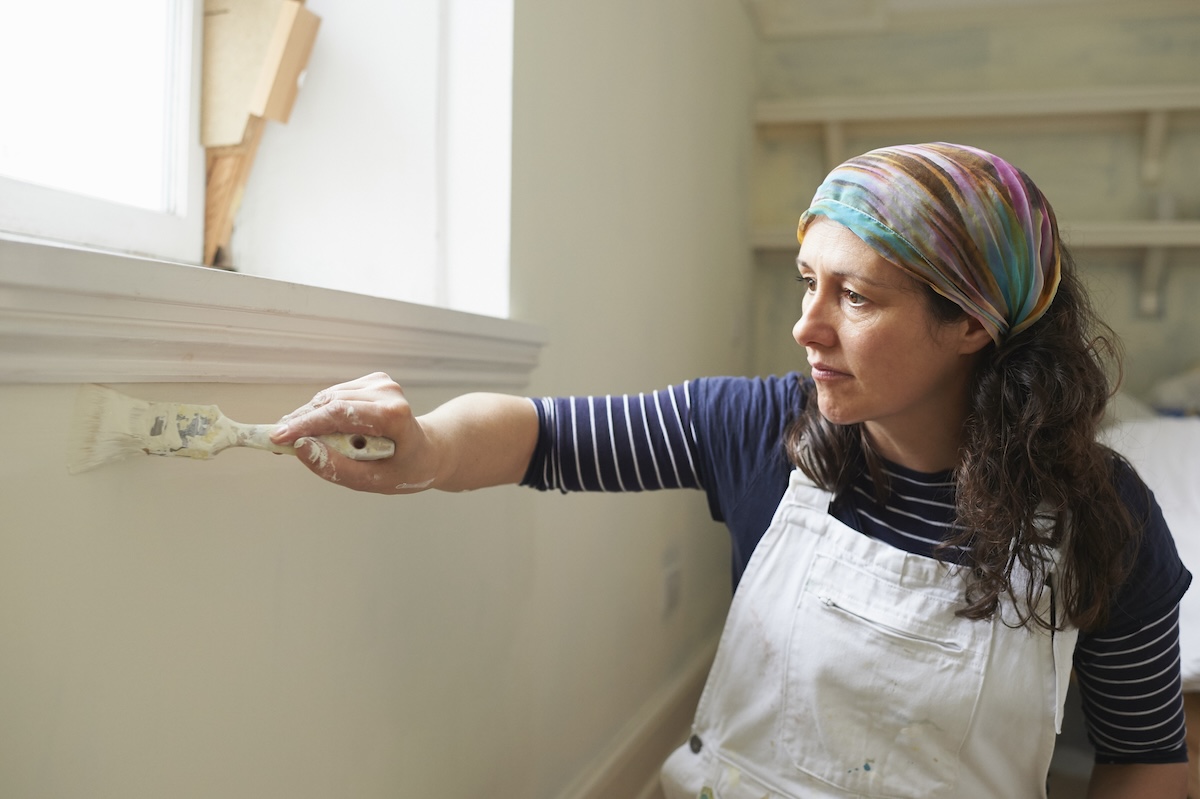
(799, 19)
(979, 104)
(1154, 106)
(70, 315)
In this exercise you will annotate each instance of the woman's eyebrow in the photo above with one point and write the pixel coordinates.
(857, 277)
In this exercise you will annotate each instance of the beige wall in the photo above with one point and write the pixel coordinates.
(1087, 166)
(630, 183)
(236, 628)
(240, 629)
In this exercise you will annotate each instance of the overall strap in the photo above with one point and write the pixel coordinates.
(804, 492)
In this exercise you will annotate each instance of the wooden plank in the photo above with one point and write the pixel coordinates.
(237, 34)
(284, 62)
(254, 53)
(227, 172)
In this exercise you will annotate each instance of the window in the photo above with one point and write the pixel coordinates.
(392, 176)
(97, 148)
(390, 179)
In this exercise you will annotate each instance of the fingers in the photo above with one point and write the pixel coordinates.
(337, 468)
(374, 405)
(379, 477)
(335, 416)
(360, 388)
(366, 405)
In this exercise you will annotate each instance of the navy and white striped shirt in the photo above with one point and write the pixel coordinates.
(723, 436)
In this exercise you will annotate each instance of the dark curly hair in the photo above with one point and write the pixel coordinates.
(1030, 475)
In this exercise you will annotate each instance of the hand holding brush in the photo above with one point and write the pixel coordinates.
(109, 426)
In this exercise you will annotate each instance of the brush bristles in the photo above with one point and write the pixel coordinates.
(102, 430)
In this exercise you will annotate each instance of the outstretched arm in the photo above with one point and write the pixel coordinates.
(473, 441)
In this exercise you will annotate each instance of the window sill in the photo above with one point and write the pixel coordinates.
(80, 316)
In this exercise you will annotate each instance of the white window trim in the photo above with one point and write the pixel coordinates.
(82, 316)
(78, 220)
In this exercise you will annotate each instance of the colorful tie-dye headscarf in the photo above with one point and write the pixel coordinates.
(968, 223)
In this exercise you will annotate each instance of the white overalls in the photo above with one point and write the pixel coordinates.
(844, 672)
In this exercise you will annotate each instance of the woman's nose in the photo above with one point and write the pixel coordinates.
(798, 330)
(811, 327)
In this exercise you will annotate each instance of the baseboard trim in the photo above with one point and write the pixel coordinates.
(629, 767)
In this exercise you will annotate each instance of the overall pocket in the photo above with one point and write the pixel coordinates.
(882, 678)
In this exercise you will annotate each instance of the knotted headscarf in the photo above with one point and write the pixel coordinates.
(968, 223)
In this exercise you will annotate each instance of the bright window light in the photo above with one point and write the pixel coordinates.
(99, 142)
(93, 79)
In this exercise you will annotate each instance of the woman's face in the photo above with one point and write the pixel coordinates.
(876, 352)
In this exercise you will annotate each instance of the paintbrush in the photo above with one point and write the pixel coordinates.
(109, 426)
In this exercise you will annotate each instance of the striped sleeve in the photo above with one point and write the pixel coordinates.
(1132, 694)
(640, 442)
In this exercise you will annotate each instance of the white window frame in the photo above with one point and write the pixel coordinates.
(74, 313)
(44, 213)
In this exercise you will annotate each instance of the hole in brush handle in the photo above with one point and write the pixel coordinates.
(359, 446)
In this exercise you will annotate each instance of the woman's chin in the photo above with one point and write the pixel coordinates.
(835, 414)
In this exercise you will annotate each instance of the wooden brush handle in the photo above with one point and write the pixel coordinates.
(353, 445)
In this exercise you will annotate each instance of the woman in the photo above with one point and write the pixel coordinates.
(927, 538)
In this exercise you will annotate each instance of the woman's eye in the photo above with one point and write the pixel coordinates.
(854, 298)
(808, 282)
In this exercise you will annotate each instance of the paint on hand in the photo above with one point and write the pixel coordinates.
(318, 454)
(415, 486)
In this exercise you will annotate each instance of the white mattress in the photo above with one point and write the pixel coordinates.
(1166, 453)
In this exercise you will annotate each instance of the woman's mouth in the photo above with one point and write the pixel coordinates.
(822, 371)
